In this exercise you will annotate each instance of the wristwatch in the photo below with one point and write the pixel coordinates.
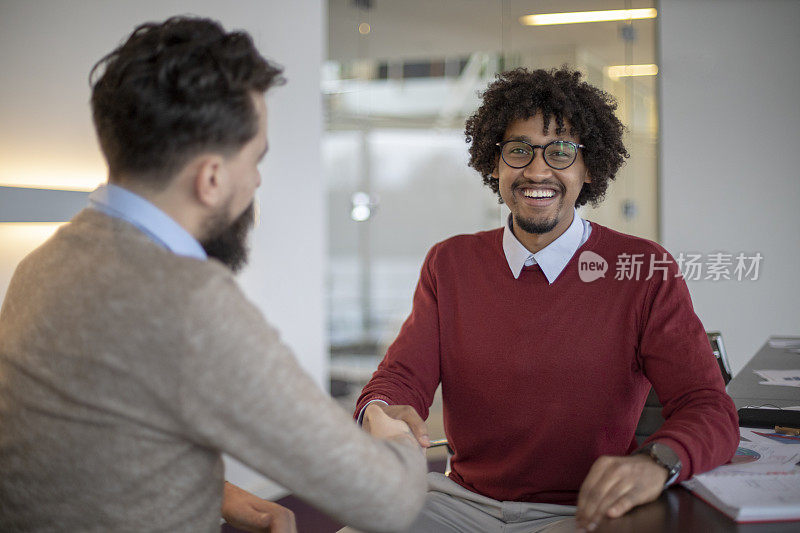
(664, 456)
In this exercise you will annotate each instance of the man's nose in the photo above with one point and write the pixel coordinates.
(538, 169)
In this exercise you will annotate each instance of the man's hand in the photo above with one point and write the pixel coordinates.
(248, 512)
(615, 485)
(380, 419)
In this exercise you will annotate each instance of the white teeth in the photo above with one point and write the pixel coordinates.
(535, 193)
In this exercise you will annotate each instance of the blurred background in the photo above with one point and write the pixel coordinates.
(399, 81)
(367, 164)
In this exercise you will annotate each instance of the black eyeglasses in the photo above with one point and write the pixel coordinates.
(557, 154)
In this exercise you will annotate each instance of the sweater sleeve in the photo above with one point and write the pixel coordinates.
(242, 392)
(409, 373)
(701, 422)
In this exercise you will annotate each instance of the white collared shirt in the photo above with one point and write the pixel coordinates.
(552, 258)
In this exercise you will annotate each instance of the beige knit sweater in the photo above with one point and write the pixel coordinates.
(126, 370)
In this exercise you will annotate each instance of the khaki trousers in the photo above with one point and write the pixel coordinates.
(450, 508)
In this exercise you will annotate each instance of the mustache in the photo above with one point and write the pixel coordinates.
(521, 183)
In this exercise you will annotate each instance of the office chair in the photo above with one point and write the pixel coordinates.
(651, 418)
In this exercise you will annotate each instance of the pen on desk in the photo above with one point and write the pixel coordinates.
(438, 442)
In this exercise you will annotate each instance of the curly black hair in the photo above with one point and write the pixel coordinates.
(172, 90)
(520, 94)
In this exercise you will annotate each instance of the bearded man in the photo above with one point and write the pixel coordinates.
(129, 358)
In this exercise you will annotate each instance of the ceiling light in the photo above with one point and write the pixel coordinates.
(360, 213)
(52, 184)
(63, 177)
(547, 19)
(622, 71)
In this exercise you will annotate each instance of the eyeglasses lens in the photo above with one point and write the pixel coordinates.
(557, 154)
(517, 154)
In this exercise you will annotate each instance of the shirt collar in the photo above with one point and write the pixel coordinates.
(121, 203)
(552, 258)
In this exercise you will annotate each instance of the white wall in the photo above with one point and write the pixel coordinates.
(730, 157)
(46, 52)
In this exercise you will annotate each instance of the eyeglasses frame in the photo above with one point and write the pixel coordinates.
(542, 146)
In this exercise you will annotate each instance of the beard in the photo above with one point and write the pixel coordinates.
(539, 226)
(530, 225)
(227, 241)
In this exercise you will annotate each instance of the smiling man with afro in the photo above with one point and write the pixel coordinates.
(547, 334)
(559, 95)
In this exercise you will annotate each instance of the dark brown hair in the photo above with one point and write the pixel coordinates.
(174, 89)
(560, 93)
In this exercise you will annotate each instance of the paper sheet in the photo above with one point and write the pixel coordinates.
(761, 483)
(755, 491)
(766, 437)
(785, 342)
(760, 457)
(785, 378)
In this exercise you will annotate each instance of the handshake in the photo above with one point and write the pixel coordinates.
(396, 422)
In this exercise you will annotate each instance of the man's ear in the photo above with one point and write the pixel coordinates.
(588, 177)
(496, 172)
(209, 180)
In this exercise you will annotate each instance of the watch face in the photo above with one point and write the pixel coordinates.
(666, 456)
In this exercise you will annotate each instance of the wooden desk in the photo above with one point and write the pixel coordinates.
(677, 510)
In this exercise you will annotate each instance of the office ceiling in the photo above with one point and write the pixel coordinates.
(424, 29)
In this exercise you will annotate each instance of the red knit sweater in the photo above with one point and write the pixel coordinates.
(539, 380)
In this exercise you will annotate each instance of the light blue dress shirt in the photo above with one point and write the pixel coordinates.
(120, 203)
(552, 258)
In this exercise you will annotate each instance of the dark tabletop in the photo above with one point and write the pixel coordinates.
(677, 510)
(745, 388)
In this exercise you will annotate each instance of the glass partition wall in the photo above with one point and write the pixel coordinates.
(400, 81)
